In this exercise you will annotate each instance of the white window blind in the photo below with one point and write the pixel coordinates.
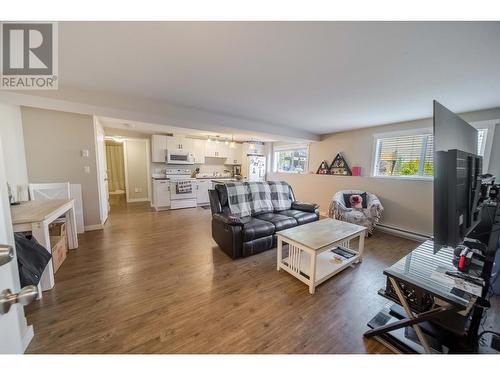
(411, 155)
(408, 155)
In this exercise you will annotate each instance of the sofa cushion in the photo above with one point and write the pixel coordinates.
(254, 228)
(302, 217)
(280, 221)
(280, 195)
(261, 197)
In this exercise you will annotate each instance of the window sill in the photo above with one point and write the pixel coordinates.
(290, 172)
(410, 178)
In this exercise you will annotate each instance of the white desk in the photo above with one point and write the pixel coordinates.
(35, 216)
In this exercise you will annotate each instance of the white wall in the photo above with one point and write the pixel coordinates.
(11, 133)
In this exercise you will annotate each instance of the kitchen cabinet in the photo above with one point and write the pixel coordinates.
(158, 148)
(216, 149)
(161, 194)
(177, 142)
(202, 187)
(235, 154)
(199, 151)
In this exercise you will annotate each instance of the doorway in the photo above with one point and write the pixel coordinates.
(116, 167)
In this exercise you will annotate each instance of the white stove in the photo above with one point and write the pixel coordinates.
(182, 188)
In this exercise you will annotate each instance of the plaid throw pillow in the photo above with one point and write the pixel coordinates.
(261, 197)
(280, 195)
(239, 198)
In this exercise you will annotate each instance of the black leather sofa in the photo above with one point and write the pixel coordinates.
(244, 236)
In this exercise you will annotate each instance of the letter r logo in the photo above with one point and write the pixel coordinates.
(27, 49)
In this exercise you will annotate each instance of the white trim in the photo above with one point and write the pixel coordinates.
(93, 227)
(399, 232)
(417, 178)
(490, 126)
(27, 337)
(138, 200)
(100, 184)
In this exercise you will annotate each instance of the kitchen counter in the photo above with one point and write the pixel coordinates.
(224, 180)
(214, 178)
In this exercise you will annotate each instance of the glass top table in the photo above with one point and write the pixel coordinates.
(418, 269)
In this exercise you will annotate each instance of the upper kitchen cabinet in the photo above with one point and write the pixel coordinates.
(199, 151)
(158, 148)
(216, 149)
(235, 154)
(179, 143)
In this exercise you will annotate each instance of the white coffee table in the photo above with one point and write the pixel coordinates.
(309, 257)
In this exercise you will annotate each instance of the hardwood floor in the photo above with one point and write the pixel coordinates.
(156, 282)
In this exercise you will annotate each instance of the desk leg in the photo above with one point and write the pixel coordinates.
(71, 228)
(409, 313)
(279, 253)
(41, 233)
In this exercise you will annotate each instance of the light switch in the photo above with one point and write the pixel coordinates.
(86, 169)
(85, 153)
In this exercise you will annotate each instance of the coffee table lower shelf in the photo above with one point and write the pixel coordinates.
(325, 266)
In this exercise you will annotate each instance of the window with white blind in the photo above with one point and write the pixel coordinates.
(410, 155)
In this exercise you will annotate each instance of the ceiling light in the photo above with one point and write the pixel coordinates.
(209, 140)
(251, 146)
(233, 143)
(226, 142)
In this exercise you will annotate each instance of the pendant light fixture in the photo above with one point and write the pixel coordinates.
(233, 143)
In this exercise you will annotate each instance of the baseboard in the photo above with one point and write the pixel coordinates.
(27, 337)
(402, 232)
(93, 227)
(138, 200)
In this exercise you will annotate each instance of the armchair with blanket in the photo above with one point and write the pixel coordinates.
(367, 214)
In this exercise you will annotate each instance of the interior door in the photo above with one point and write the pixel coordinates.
(15, 335)
(102, 172)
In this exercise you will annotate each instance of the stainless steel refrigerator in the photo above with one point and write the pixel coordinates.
(256, 168)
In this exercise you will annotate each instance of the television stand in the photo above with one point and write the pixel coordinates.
(431, 314)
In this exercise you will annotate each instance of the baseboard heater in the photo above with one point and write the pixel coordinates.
(403, 232)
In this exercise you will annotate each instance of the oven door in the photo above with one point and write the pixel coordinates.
(182, 189)
(180, 157)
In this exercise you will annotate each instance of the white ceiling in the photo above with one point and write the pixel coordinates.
(320, 77)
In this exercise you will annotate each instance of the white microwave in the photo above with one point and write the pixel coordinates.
(179, 157)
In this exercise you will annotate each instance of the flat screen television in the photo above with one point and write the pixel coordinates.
(457, 185)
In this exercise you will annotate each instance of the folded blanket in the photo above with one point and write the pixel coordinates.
(280, 195)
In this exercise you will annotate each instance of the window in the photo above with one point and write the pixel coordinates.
(410, 155)
(290, 159)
